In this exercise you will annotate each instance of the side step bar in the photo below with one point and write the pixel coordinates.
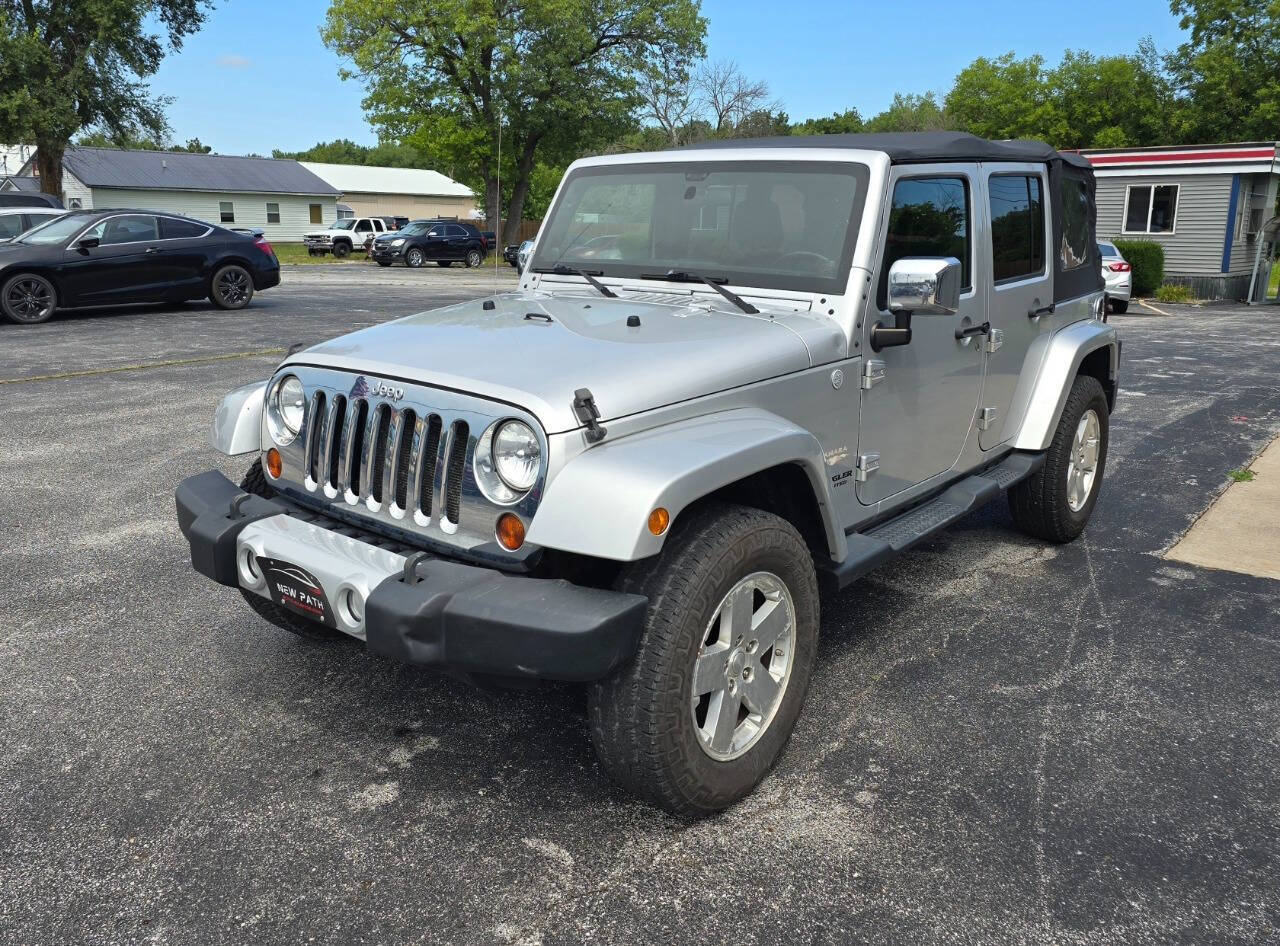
(871, 549)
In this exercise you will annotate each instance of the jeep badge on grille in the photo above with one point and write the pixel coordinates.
(362, 388)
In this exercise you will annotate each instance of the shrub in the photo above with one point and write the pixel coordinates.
(1174, 294)
(1147, 259)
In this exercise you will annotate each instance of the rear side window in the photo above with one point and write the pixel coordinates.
(929, 217)
(10, 226)
(1073, 195)
(1017, 226)
(173, 229)
(455, 231)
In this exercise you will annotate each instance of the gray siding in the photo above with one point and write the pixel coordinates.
(250, 209)
(1200, 225)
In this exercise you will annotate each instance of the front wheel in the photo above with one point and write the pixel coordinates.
(414, 258)
(1119, 306)
(1056, 501)
(341, 249)
(707, 704)
(231, 287)
(474, 258)
(28, 298)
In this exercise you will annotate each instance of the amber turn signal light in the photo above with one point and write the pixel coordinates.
(510, 531)
(275, 466)
(659, 519)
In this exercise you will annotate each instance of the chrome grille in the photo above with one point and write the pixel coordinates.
(406, 462)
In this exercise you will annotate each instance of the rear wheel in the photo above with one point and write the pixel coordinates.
(1056, 501)
(414, 258)
(1120, 306)
(231, 287)
(474, 258)
(707, 704)
(255, 482)
(28, 299)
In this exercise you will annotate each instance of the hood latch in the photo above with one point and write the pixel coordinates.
(584, 408)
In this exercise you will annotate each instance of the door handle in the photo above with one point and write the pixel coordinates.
(1034, 313)
(152, 249)
(970, 330)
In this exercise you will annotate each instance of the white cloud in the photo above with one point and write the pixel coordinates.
(234, 61)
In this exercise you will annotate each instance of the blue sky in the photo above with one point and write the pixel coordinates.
(257, 76)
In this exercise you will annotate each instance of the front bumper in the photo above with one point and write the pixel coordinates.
(386, 254)
(423, 610)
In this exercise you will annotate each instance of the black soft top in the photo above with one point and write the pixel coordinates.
(917, 147)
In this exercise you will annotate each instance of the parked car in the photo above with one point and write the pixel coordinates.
(344, 236)
(1118, 276)
(29, 199)
(640, 474)
(395, 223)
(490, 239)
(517, 254)
(15, 220)
(435, 241)
(109, 257)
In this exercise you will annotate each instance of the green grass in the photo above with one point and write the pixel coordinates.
(1173, 294)
(1275, 280)
(1242, 476)
(297, 253)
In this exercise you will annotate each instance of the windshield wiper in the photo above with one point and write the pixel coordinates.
(675, 275)
(560, 269)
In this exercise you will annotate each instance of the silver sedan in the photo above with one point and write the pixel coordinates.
(1118, 275)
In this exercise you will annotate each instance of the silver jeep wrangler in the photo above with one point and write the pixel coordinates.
(732, 377)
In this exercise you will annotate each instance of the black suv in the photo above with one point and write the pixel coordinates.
(444, 241)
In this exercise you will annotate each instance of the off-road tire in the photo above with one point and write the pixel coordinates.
(1119, 306)
(1039, 503)
(255, 482)
(640, 719)
(341, 249)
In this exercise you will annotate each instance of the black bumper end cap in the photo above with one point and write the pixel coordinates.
(211, 525)
(480, 621)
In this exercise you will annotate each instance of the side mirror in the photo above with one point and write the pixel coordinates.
(918, 285)
(88, 243)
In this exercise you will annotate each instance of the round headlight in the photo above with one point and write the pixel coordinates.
(517, 455)
(286, 408)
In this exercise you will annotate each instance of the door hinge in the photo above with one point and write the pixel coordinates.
(872, 373)
(868, 463)
(995, 338)
(986, 417)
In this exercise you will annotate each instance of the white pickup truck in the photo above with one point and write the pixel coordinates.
(344, 236)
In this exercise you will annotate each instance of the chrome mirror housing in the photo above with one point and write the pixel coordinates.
(925, 285)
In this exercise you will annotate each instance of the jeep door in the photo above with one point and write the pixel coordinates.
(918, 400)
(1019, 284)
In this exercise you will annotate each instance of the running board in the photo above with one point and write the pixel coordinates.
(871, 549)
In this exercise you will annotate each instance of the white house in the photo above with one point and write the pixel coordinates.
(1208, 205)
(407, 192)
(278, 195)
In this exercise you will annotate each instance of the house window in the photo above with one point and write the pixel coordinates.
(226, 211)
(273, 213)
(929, 217)
(1017, 226)
(315, 214)
(1150, 208)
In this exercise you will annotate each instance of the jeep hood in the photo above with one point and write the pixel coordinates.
(535, 350)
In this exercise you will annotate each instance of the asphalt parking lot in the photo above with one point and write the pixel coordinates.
(1004, 742)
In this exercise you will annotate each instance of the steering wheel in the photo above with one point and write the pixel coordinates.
(817, 259)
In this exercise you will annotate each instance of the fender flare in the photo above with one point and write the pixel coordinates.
(599, 503)
(1067, 350)
(237, 423)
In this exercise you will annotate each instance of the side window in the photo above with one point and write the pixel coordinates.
(226, 212)
(455, 231)
(1017, 226)
(436, 232)
(273, 213)
(363, 226)
(172, 228)
(133, 228)
(1074, 198)
(10, 226)
(929, 217)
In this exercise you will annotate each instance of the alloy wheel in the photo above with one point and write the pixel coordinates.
(473, 259)
(414, 258)
(1082, 468)
(743, 665)
(29, 299)
(233, 286)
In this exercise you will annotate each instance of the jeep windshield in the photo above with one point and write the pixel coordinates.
(768, 224)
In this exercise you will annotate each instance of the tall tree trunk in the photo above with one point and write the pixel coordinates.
(519, 191)
(49, 166)
(491, 201)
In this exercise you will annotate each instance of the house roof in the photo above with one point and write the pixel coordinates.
(185, 171)
(1232, 158)
(916, 147)
(22, 183)
(362, 179)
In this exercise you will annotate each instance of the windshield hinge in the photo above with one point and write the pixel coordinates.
(584, 408)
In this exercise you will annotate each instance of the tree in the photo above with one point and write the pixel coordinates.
(72, 64)
(387, 154)
(549, 77)
(911, 113)
(1112, 101)
(729, 96)
(666, 89)
(1004, 97)
(1229, 69)
(838, 123)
